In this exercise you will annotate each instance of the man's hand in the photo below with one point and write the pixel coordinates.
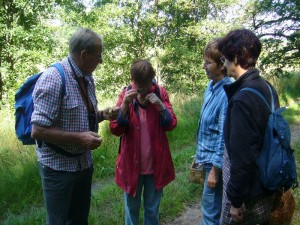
(236, 214)
(111, 113)
(90, 140)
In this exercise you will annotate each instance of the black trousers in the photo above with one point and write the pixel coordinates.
(67, 195)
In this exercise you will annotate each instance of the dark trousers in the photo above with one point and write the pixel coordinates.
(67, 195)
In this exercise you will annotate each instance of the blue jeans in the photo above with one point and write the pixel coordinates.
(151, 200)
(211, 200)
(67, 195)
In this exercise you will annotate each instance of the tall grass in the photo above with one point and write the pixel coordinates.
(296, 192)
(20, 186)
(288, 88)
(19, 183)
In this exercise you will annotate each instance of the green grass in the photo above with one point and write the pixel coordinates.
(20, 186)
(292, 115)
(288, 88)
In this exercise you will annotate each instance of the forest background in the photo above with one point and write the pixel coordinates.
(172, 35)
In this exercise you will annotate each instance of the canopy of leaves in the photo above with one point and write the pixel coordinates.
(170, 33)
(278, 24)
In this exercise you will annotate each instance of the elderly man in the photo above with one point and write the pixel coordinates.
(65, 125)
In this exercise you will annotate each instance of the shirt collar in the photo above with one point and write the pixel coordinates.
(219, 84)
(78, 72)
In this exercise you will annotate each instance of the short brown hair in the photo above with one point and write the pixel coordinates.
(211, 51)
(242, 45)
(142, 71)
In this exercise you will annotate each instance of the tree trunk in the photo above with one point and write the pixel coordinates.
(156, 46)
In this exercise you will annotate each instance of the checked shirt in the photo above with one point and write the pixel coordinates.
(66, 113)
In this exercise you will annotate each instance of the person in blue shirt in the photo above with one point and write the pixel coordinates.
(210, 141)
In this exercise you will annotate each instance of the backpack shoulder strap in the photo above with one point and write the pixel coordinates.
(157, 91)
(60, 69)
(261, 96)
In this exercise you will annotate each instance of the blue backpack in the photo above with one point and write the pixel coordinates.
(276, 161)
(24, 105)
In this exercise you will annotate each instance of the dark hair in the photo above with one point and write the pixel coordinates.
(84, 39)
(211, 51)
(242, 45)
(142, 71)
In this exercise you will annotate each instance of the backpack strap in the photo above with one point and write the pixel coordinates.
(157, 91)
(60, 69)
(262, 97)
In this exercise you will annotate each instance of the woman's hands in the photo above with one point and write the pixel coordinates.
(133, 93)
(213, 177)
(237, 214)
(152, 97)
(128, 97)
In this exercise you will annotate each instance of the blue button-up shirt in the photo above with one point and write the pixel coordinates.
(66, 112)
(210, 140)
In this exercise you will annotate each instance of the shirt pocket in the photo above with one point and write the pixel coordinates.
(213, 130)
(70, 110)
(70, 103)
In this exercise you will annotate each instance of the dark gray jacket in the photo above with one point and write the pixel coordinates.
(245, 124)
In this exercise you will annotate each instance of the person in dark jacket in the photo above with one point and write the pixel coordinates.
(245, 201)
(144, 165)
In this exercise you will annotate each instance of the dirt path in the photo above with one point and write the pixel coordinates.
(192, 213)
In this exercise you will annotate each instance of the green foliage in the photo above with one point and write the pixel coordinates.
(288, 87)
(169, 33)
(172, 34)
(296, 192)
(277, 23)
(19, 23)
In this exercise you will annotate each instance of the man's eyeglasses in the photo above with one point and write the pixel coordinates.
(223, 59)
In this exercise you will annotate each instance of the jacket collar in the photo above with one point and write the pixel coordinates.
(232, 88)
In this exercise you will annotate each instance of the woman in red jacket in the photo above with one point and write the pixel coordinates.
(144, 163)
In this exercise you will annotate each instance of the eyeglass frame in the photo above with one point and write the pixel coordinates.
(99, 56)
(205, 63)
(222, 59)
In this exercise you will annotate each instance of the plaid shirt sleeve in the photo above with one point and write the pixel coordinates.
(47, 98)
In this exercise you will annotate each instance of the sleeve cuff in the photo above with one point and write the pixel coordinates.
(166, 118)
(121, 121)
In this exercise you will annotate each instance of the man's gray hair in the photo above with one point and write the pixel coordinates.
(84, 39)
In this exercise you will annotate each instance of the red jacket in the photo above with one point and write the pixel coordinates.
(127, 164)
